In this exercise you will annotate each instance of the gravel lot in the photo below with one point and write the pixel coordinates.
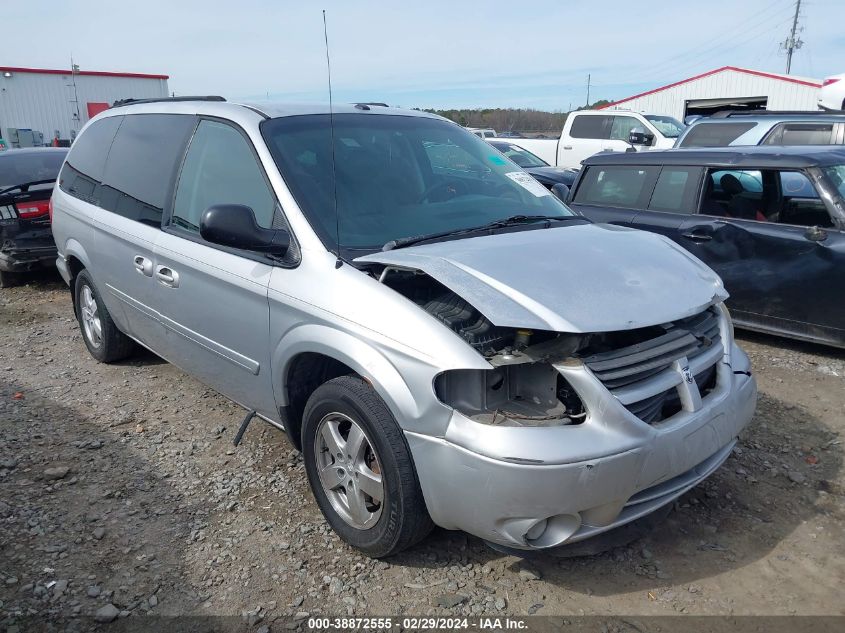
(121, 495)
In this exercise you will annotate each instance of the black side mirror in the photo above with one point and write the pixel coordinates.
(560, 191)
(234, 225)
(638, 136)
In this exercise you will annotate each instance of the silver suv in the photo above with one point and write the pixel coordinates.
(445, 341)
(764, 127)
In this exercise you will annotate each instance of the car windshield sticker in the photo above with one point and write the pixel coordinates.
(496, 160)
(528, 182)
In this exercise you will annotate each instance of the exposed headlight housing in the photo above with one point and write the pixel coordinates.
(526, 394)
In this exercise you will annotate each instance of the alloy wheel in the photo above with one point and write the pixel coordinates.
(349, 470)
(91, 323)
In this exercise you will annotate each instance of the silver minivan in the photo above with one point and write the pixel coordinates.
(445, 341)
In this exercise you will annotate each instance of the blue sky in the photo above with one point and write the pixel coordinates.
(423, 54)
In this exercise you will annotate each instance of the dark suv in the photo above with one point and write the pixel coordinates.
(769, 220)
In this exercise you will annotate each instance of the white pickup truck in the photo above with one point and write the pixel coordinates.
(588, 132)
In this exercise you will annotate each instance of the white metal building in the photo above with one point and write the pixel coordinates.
(725, 88)
(61, 101)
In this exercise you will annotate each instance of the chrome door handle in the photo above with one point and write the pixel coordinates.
(167, 277)
(143, 265)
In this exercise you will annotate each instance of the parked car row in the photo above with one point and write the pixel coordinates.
(445, 340)
(586, 133)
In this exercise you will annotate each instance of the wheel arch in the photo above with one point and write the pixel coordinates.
(77, 261)
(312, 354)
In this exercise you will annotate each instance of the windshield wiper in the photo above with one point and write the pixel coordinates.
(514, 220)
(26, 185)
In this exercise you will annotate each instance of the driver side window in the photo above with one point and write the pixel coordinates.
(220, 168)
(622, 126)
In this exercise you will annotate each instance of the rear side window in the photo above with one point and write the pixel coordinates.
(675, 190)
(591, 126)
(83, 172)
(714, 134)
(801, 134)
(616, 186)
(142, 165)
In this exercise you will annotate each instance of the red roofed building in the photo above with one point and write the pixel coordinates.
(726, 88)
(48, 101)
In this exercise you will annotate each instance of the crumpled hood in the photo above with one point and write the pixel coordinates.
(576, 278)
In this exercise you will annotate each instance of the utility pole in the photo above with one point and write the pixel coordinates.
(792, 43)
(74, 68)
(588, 90)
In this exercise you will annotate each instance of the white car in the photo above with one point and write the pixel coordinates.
(832, 93)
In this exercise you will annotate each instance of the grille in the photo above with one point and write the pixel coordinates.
(637, 374)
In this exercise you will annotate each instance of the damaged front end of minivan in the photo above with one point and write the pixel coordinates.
(606, 394)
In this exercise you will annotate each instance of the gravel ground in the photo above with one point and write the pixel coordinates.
(121, 495)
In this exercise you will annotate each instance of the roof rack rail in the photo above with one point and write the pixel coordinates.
(724, 114)
(123, 102)
(365, 105)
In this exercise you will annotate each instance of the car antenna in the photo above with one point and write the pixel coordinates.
(339, 261)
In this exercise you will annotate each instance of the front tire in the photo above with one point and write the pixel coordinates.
(104, 341)
(360, 469)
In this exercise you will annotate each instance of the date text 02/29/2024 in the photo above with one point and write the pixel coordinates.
(416, 623)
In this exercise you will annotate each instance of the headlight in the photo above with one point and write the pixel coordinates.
(526, 394)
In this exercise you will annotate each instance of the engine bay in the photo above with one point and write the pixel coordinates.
(522, 388)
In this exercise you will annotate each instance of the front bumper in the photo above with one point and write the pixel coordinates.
(534, 488)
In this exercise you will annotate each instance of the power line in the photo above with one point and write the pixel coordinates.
(747, 40)
(745, 27)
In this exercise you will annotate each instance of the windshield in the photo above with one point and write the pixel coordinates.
(666, 125)
(21, 168)
(521, 157)
(397, 177)
(836, 174)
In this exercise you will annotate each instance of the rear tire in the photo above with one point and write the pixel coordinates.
(343, 472)
(104, 341)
